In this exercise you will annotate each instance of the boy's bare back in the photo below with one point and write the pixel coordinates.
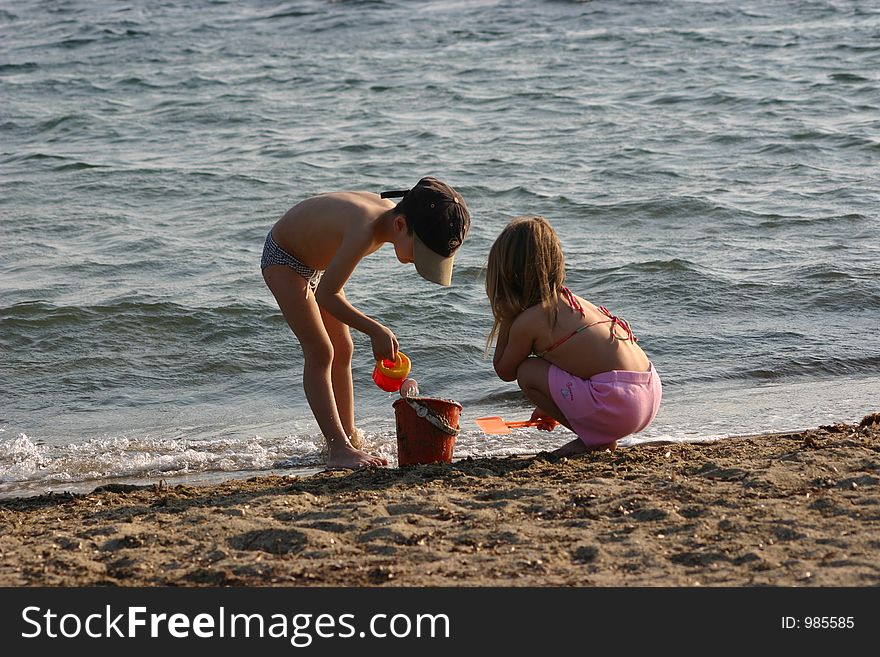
(313, 229)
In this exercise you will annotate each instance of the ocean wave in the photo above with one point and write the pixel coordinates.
(812, 367)
(18, 67)
(24, 462)
(159, 315)
(287, 12)
(694, 287)
(64, 123)
(846, 221)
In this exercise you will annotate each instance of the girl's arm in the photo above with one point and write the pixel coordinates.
(500, 344)
(513, 347)
(548, 422)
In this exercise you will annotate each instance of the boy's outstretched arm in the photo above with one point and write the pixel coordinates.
(329, 296)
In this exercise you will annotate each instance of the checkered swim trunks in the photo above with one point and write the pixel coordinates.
(275, 255)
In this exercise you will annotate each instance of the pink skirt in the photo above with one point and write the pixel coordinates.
(608, 406)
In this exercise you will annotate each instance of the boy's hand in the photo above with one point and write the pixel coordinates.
(384, 344)
(548, 422)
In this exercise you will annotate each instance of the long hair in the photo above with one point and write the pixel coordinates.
(526, 267)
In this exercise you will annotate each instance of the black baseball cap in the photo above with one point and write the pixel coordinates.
(440, 221)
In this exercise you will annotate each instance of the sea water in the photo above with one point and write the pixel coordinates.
(711, 168)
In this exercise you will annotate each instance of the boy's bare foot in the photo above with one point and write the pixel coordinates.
(357, 439)
(351, 458)
(577, 446)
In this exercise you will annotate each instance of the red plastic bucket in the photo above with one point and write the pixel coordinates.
(426, 429)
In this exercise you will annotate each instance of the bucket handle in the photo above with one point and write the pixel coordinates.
(424, 412)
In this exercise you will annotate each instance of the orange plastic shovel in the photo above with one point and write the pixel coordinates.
(496, 424)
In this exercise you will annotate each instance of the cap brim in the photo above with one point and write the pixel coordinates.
(431, 265)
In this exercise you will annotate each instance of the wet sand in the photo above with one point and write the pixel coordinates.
(796, 509)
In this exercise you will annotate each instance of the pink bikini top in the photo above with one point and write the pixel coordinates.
(575, 305)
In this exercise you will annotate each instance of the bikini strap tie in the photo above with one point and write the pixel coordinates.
(617, 321)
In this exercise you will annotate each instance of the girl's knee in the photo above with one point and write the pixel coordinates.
(532, 374)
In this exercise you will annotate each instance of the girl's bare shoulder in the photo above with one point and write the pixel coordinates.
(533, 319)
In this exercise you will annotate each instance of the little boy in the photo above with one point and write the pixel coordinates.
(309, 255)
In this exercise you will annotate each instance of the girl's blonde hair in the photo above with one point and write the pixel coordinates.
(526, 267)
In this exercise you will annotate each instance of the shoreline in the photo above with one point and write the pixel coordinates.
(788, 509)
(26, 490)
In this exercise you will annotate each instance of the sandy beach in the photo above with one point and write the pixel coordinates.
(798, 509)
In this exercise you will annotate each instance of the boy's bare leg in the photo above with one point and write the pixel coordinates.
(532, 378)
(303, 316)
(340, 370)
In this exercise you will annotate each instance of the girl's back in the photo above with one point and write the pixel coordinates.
(583, 345)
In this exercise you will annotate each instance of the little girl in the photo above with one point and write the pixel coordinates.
(577, 362)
